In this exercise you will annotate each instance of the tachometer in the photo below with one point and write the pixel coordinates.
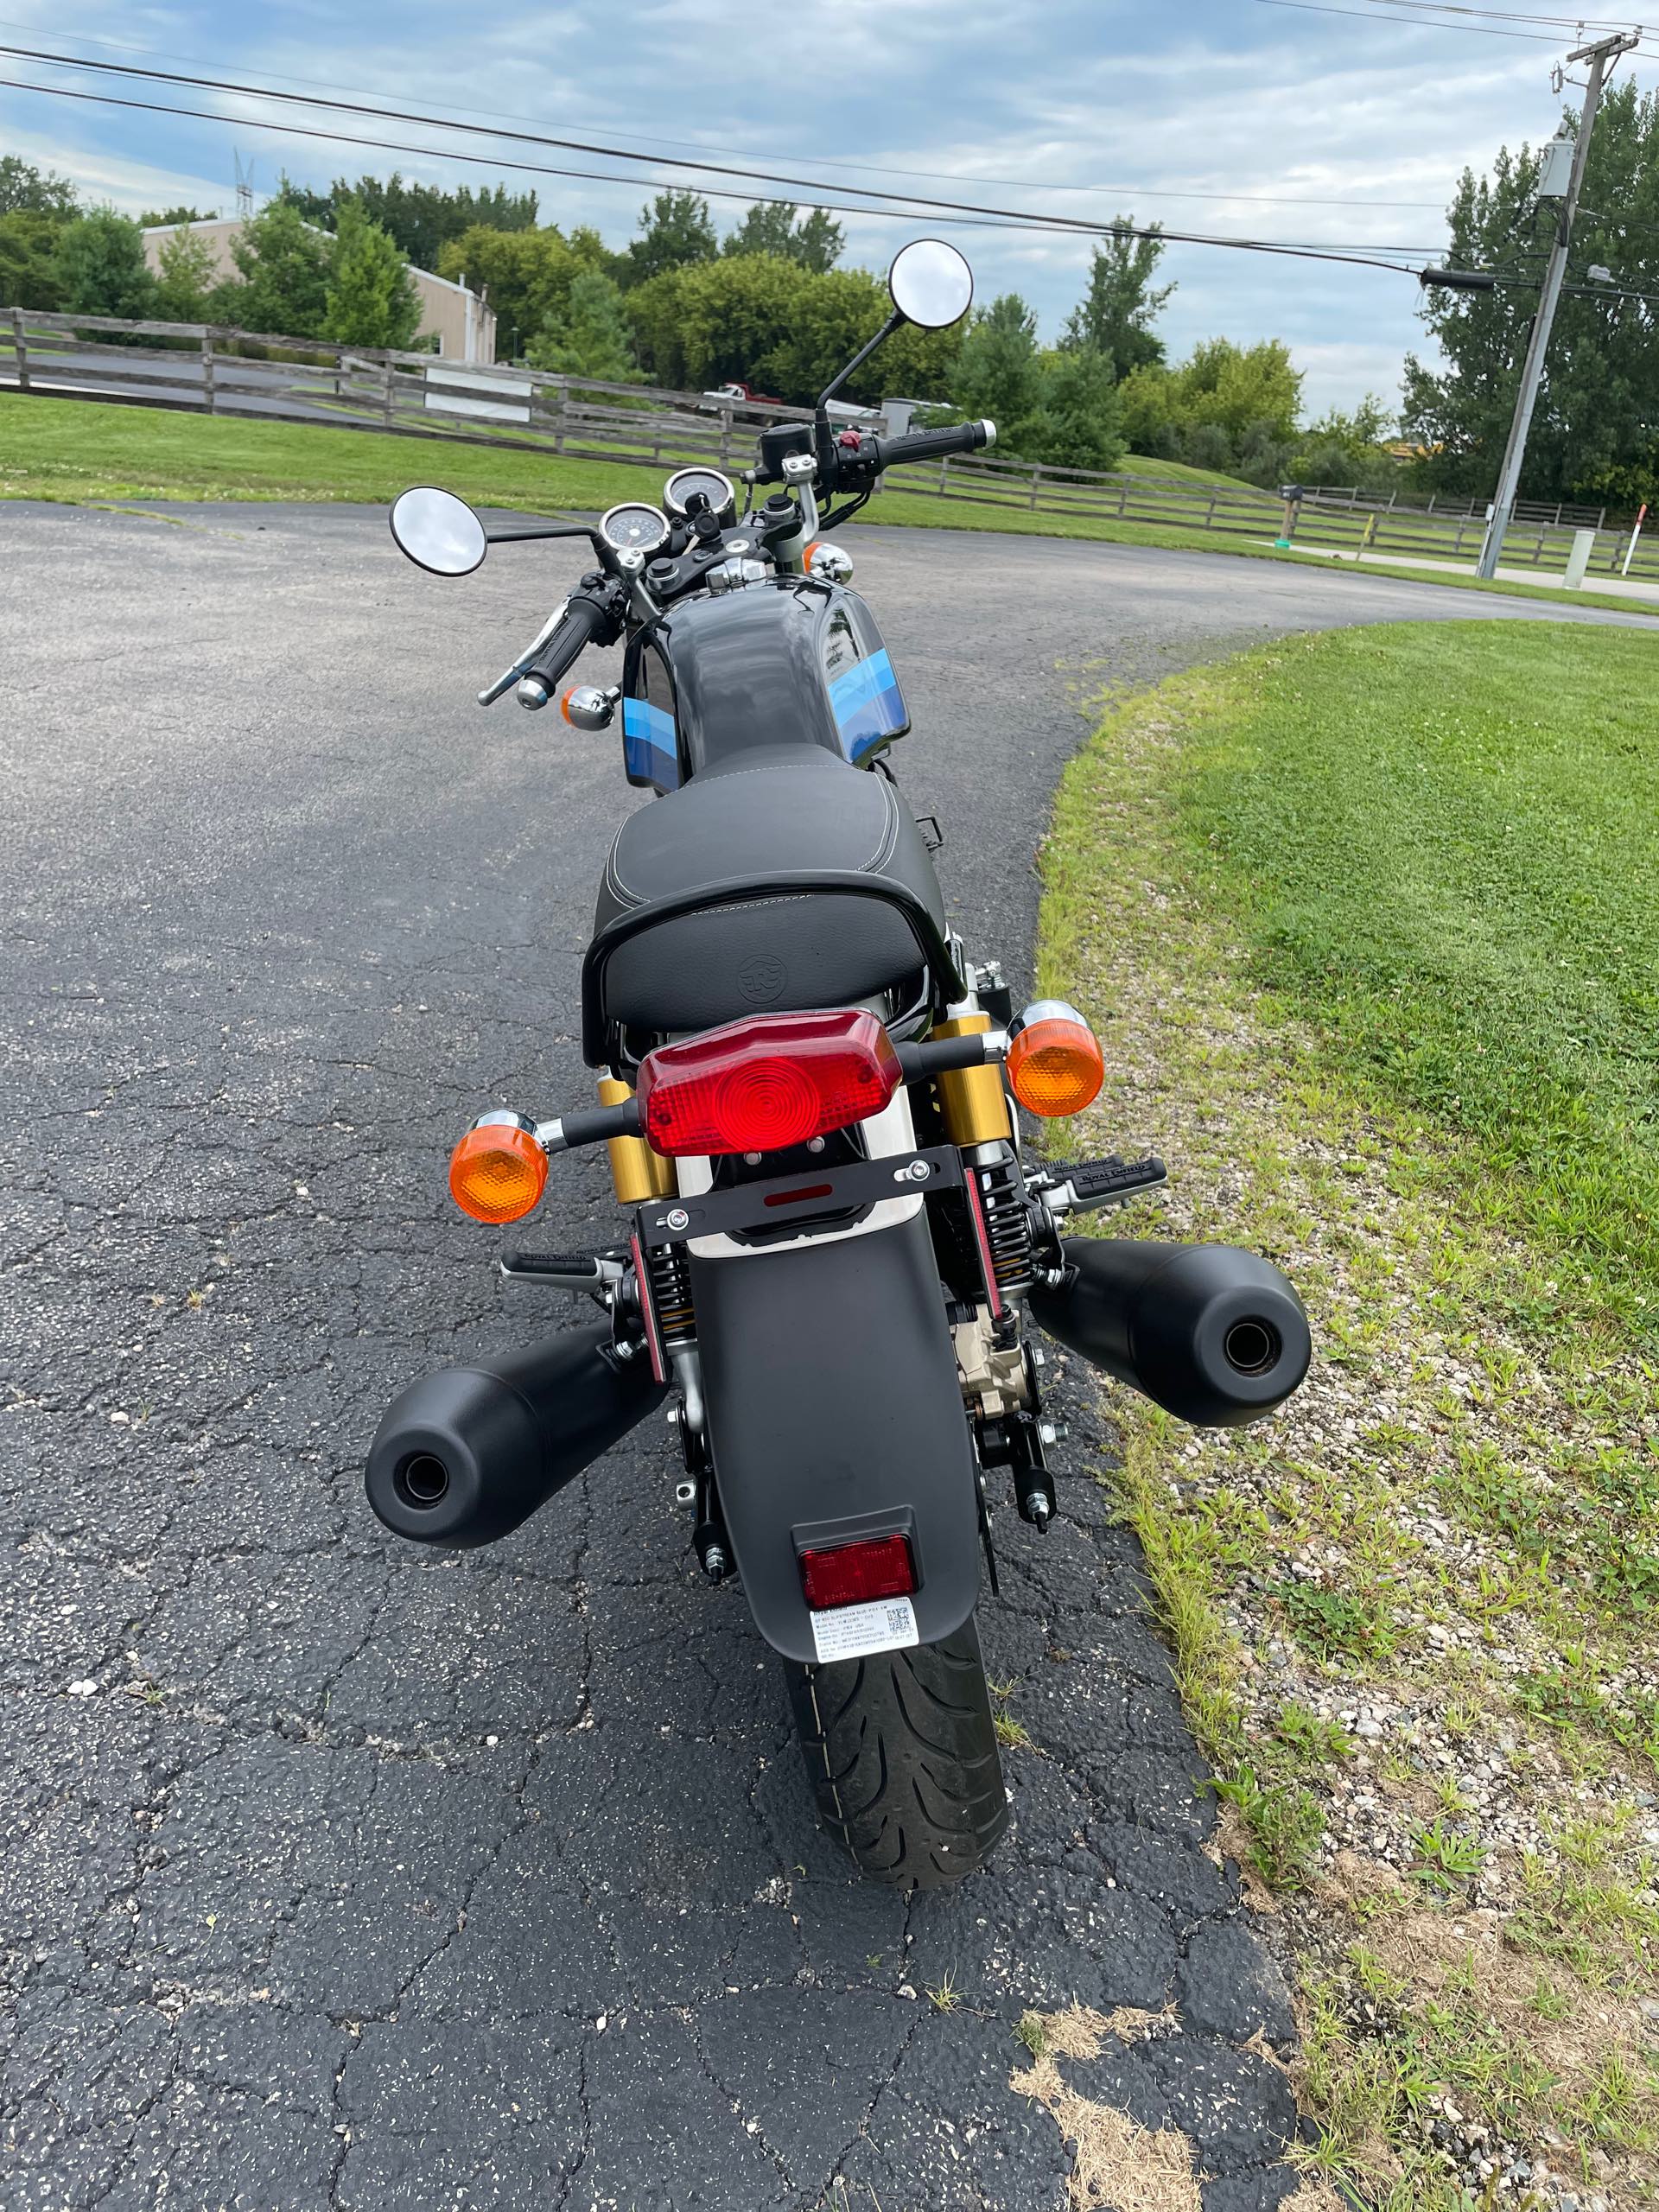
(634, 527)
(680, 489)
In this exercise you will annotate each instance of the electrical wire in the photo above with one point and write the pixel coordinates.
(908, 201)
(819, 161)
(1575, 24)
(1364, 15)
(957, 213)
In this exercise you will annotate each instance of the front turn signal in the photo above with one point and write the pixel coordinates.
(1054, 1063)
(497, 1172)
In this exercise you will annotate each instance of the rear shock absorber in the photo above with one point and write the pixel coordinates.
(670, 1294)
(995, 1169)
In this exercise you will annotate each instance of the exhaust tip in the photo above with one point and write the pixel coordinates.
(1252, 1346)
(422, 1480)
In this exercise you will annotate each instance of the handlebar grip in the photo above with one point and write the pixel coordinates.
(929, 445)
(582, 621)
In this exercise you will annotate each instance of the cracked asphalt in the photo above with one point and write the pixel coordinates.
(338, 1874)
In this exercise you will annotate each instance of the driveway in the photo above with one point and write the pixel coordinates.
(339, 1874)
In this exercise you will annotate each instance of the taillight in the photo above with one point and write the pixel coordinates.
(852, 1575)
(497, 1172)
(1054, 1063)
(763, 1084)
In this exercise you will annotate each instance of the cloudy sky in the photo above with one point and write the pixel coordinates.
(1341, 124)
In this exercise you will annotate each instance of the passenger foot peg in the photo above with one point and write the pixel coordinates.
(1094, 1183)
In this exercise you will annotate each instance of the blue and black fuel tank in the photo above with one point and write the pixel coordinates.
(789, 661)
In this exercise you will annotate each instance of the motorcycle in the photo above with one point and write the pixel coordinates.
(808, 1089)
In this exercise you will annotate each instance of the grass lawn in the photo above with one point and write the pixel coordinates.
(1369, 926)
(76, 450)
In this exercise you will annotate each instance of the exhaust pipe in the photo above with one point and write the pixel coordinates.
(1214, 1335)
(464, 1455)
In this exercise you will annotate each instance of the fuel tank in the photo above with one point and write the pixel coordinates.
(788, 661)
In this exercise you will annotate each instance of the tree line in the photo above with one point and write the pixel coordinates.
(768, 304)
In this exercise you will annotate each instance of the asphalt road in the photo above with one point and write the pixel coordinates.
(341, 1875)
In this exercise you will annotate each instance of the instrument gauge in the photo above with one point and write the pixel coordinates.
(683, 488)
(634, 527)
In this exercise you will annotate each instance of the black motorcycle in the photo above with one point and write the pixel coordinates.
(808, 1090)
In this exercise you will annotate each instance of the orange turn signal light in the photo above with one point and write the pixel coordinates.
(497, 1172)
(1054, 1063)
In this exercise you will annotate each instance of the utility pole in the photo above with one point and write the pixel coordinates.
(1600, 56)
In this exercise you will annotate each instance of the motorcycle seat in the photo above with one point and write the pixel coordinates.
(752, 831)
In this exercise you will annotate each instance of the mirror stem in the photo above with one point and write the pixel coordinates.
(547, 530)
(859, 358)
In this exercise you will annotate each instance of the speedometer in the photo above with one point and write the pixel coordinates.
(634, 527)
(682, 489)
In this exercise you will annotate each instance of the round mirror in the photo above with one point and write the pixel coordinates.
(931, 284)
(438, 531)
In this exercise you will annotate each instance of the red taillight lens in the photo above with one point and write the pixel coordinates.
(767, 1084)
(852, 1575)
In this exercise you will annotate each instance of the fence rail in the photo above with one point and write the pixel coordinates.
(214, 370)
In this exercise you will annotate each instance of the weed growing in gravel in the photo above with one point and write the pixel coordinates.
(1368, 949)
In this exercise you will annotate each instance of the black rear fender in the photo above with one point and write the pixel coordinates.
(834, 1410)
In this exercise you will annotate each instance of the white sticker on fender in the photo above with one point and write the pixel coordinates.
(851, 1631)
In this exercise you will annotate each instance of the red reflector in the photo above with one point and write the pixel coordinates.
(799, 1197)
(768, 1083)
(852, 1575)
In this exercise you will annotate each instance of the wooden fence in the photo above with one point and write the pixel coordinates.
(218, 372)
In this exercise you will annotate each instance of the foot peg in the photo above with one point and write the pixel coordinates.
(1091, 1183)
(561, 1270)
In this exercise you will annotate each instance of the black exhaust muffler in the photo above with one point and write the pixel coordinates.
(1214, 1335)
(463, 1456)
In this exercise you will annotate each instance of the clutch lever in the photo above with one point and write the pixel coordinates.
(492, 692)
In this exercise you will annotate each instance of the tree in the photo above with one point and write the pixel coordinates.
(284, 265)
(25, 190)
(1115, 315)
(421, 218)
(187, 278)
(815, 242)
(676, 231)
(591, 338)
(369, 300)
(997, 372)
(1595, 434)
(157, 218)
(1080, 420)
(525, 276)
(100, 267)
(760, 319)
(30, 273)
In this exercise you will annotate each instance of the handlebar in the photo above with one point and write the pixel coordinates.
(924, 445)
(583, 620)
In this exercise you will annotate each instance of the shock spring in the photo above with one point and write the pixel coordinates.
(671, 1293)
(1007, 1224)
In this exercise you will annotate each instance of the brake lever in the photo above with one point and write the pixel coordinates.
(492, 692)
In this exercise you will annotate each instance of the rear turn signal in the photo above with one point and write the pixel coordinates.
(1054, 1063)
(497, 1172)
(767, 1084)
(853, 1574)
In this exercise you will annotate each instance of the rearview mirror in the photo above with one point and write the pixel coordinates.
(438, 531)
(932, 285)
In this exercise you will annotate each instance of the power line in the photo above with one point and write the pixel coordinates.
(988, 219)
(1575, 24)
(865, 168)
(907, 201)
(1363, 15)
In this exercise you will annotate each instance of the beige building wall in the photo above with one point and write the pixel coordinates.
(463, 326)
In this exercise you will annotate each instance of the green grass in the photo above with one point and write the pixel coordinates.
(1441, 842)
(1368, 926)
(1144, 464)
(76, 450)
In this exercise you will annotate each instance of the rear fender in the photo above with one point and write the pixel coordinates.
(834, 1410)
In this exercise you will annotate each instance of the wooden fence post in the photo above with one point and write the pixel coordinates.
(1036, 479)
(21, 341)
(207, 378)
(386, 393)
(944, 470)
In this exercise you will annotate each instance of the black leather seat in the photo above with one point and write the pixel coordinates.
(757, 821)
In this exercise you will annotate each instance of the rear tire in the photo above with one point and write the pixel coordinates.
(900, 1750)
